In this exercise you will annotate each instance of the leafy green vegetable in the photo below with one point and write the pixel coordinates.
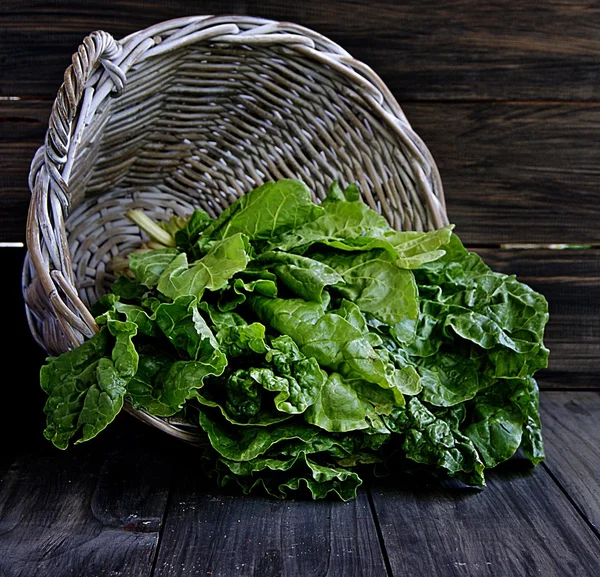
(188, 234)
(310, 343)
(341, 218)
(376, 284)
(147, 267)
(86, 386)
(305, 277)
(211, 272)
(266, 211)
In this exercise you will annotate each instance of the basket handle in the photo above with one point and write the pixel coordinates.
(97, 48)
(47, 245)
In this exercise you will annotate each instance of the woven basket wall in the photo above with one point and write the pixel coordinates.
(196, 112)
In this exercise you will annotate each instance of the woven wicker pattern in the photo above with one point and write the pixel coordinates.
(196, 112)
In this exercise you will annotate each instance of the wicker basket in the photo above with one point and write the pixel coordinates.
(195, 112)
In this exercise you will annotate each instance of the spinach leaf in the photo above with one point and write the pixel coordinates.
(149, 266)
(211, 272)
(416, 248)
(305, 277)
(431, 441)
(505, 418)
(86, 386)
(187, 236)
(339, 221)
(266, 211)
(374, 282)
(449, 379)
(310, 341)
(280, 477)
(248, 281)
(332, 340)
(338, 408)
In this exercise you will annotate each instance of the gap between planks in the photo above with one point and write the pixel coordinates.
(569, 498)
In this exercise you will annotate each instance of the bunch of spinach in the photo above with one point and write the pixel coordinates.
(309, 341)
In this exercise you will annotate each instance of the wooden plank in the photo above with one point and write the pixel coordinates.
(516, 173)
(222, 533)
(572, 440)
(569, 281)
(521, 524)
(507, 169)
(23, 125)
(92, 510)
(451, 50)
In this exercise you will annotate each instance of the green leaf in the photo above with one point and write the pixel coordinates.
(280, 477)
(163, 383)
(210, 272)
(414, 249)
(145, 388)
(339, 221)
(86, 385)
(299, 379)
(504, 418)
(184, 378)
(266, 211)
(449, 379)
(103, 401)
(332, 340)
(244, 339)
(374, 282)
(186, 329)
(248, 281)
(147, 267)
(66, 380)
(338, 408)
(189, 234)
(305, 277)
(431, 441)
(525, 395)
(139, 316)
(295, 379)
(246, 443)
(127, 288)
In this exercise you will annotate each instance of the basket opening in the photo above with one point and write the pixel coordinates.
(202, 125)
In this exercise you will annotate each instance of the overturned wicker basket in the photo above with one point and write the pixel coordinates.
(196, 112)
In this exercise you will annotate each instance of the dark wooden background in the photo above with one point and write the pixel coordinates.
(507, 97)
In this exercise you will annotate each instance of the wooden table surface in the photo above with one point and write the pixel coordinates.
(507, 97)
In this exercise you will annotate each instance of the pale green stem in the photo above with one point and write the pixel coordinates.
(150, 227)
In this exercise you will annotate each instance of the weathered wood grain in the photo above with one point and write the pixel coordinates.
(93, 510)
(459, 49)
(221, 533)
(512, 173)
(23, 125)
(516, 172)
(572, 442)
(521, 524)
